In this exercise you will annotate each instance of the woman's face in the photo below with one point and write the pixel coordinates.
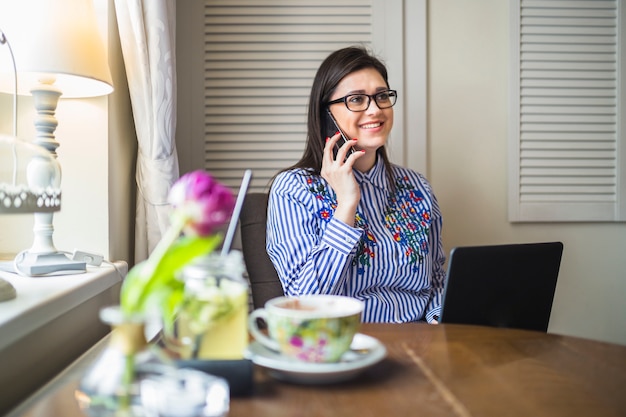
(372, 126)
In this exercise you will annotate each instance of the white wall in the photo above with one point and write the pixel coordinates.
(468, 70)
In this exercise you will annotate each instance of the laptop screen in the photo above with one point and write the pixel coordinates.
(502, 285)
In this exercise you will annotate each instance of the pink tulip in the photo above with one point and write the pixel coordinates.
(201, 203)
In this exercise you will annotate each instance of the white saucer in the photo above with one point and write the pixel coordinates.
(364, 352)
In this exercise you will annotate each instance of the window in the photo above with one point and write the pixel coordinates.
(567, 150)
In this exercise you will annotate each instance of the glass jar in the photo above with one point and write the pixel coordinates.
(134, 378)
(212, 322)
(111, 384)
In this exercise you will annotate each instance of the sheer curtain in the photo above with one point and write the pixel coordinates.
(147, 34)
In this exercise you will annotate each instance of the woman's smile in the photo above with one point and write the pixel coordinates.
(371, 126)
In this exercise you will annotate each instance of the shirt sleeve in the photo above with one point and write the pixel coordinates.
(438, 259)
(310, 252)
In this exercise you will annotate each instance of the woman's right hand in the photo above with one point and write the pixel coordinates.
(338, 173)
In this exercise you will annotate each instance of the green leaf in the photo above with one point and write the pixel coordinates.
(154, 281)
(170, 307)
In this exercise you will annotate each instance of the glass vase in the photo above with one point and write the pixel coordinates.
(212, 322)
(111, 384)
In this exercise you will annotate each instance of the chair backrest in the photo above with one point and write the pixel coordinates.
(502, 285)
(264, 281)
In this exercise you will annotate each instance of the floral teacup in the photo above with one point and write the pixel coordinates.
(312, 328)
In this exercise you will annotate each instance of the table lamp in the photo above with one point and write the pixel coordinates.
(19, 193)
(58, 53)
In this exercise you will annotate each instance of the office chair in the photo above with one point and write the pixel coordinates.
(264, 281)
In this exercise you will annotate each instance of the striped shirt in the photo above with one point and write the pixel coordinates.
(392, 259)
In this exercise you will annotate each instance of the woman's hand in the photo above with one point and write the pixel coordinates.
(338, 173)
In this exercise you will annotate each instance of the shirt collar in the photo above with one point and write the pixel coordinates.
(375, 176)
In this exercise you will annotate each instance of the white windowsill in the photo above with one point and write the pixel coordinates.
(43, 299)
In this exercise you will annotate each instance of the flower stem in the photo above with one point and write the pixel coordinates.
(167, 240)
(127, 381)
(141, 290)
(196, 345)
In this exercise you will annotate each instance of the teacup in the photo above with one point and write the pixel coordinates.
(311, 328)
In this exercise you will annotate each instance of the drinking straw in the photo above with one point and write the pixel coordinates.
(232, 226)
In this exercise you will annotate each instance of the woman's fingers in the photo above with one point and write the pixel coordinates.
(328, 149)
(337, 171)
(344, 149)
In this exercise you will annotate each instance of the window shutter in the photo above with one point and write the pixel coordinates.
(260, 58)
(566, 149)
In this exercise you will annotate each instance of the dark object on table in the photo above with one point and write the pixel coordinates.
(502, 285)
(238, 373)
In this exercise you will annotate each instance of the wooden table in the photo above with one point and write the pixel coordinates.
(444, 370)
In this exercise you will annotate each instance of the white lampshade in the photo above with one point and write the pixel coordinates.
(57, 41)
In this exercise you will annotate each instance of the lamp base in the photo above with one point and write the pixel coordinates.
(36, 264)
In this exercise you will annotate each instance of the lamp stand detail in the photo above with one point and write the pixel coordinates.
(43, 258)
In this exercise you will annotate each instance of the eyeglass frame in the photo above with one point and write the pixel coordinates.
(370, 97)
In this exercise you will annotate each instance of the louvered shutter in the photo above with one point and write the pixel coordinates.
(566, 148)
(259, 62)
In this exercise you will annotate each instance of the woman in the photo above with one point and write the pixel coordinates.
(344, 220)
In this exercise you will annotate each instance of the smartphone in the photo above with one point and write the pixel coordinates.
(336, 128)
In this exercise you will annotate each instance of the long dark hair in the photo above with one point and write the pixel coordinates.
(332, 70)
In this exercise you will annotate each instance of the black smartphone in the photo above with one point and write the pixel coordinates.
(335, 129)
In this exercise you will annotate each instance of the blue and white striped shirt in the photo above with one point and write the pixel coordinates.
(392, 259)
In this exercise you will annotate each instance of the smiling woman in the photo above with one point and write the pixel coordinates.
(356, 224)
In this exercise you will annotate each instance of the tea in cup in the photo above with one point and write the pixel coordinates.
(311, 328)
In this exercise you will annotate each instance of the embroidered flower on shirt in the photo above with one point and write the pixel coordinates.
(321, 193)
(408, 220)
(317, 188)
(406, 217)
(324, 213)
(364, 249)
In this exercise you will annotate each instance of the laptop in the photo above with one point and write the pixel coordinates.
(502, 285)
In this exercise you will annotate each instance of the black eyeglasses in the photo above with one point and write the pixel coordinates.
(361, 102)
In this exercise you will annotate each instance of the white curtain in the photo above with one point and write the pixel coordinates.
(147, 34)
